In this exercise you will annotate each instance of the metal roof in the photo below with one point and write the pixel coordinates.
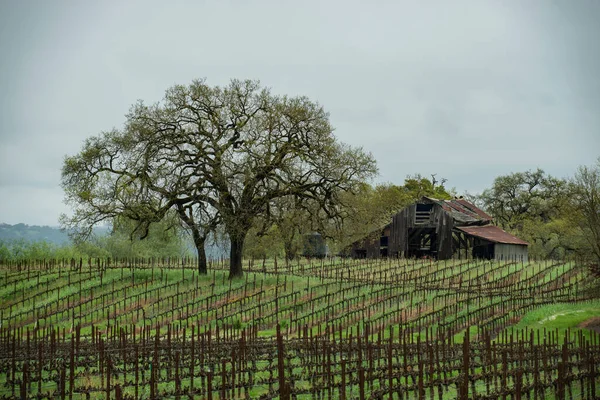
(471, 207)
(493, 234)
(463, 211)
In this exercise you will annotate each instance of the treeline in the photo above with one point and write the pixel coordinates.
(162, 241)
(364, 211)
(559, 217)
(32, 233)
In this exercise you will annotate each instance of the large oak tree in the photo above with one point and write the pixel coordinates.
(535, 206)
(215, 155)
(518, 197)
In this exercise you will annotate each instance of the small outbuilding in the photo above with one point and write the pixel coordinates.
(441, 229)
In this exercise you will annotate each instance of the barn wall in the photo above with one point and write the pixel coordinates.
(405, 219)
(445, 223)
(372, 245)
(397, 245)
(512, 252)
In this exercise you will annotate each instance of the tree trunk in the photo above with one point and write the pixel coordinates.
(235, 255)
(202, 267)
(288, 246)
(199, 242)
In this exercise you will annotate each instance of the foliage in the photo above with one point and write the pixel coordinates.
(534, 206)
(23, 249)
(161, 242)
(521, 196)
(293, 219)
(264, 245)
(559, 218)
(556, 239)
(417, 186)
(586, 208)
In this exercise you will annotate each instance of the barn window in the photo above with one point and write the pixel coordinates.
(423, 214)
(424, 207)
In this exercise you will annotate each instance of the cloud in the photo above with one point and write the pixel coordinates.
(31, 205)
(469, 90)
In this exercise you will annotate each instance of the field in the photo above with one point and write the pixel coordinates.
(320, 329)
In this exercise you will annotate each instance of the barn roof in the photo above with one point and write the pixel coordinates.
(493, 234)
(463, 211)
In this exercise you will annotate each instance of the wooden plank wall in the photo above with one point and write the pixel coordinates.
(405, 219)
(445, 223)
(370, 244)
(512, 252)
(397, 245)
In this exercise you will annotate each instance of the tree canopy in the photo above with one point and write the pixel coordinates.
(586, 206)
(558, 217)
(521, 196)
(217, 156)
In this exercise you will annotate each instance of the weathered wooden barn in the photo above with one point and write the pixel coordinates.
(441, 229)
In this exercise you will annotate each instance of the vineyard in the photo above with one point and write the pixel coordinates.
(308, 329)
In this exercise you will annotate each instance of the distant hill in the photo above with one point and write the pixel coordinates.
(33, 233)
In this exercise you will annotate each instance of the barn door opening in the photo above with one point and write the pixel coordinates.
(422, 242)
(483, 249)
(383, 246)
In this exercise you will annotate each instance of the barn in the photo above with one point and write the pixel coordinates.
(441, 229)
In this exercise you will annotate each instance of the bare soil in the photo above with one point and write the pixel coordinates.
(591, 324)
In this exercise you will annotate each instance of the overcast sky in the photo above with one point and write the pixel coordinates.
(466, 90)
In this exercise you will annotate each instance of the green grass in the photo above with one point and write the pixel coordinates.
(361, 298)
(560, 317)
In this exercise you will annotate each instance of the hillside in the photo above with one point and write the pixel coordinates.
(54, 235)
(33, 233)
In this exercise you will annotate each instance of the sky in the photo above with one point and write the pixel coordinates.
(467, 90)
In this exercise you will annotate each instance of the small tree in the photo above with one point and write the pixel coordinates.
(221, 154)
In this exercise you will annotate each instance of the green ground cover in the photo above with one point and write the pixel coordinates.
(399, 303)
